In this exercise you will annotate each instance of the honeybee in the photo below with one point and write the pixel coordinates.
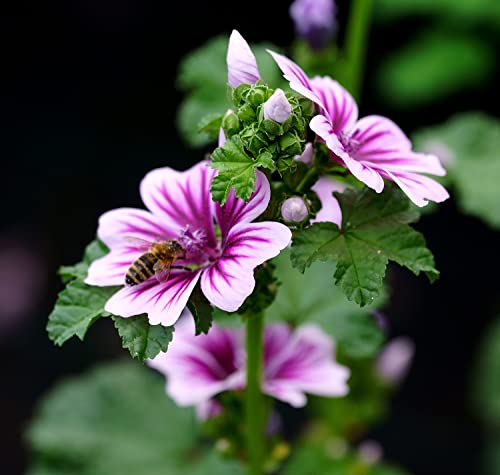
(157, 260)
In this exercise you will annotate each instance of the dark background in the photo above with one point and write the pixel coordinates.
(88, 103)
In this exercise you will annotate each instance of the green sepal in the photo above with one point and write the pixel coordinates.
(202, 311)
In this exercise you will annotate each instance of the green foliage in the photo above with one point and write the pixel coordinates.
(311, 298)
(432, 66)
(332, 458)
(374, 231)
(469, 146)
(203, 76)
(79, 305)
(236, 170)
(470, 12)
(114, 420)
(142, 339)
(201, 310)
(486, 383)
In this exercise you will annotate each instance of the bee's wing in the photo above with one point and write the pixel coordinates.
(138, 243)
(162, 269)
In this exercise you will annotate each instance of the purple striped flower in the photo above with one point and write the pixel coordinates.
(372, 148)
(223, 246)
(296, 362)
(330, 208)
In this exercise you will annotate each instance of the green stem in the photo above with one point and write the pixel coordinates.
(309, 174)
(356, 43)
(254, 398)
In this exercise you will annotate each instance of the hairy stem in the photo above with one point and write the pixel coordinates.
(356, 43)
(254, 399)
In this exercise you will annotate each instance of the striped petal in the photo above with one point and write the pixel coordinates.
(304, 365)
(199, 367)
(112, 268)
(339, 106)
(229, 281)
(163, 302)
(241, 63)
(297, 78)
(235, 210)
(181, 199)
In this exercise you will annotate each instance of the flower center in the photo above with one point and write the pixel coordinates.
(350, 144)
(199, 249)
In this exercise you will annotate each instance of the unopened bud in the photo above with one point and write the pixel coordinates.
(291, 144)
(231, 123)
(277, 107)
(246, 113)
(294, 210)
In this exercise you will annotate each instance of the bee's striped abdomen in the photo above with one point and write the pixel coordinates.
(141, 270)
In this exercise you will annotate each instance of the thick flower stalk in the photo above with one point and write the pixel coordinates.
(371, 148)
(222, 245)
(296, 362)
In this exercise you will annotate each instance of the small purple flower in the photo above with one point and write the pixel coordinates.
(223, 246)
(395, 359)
(372, 148)
(295, 362)
(294, 210)
(314, 21)
(241, 63)
(277, 107)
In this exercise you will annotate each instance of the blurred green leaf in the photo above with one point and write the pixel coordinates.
(330, 458)
(469, 146)
(93, 251)
(354, 329)
(114, 420)
(469, 11)
(203, 77)
(486, 380)
(432, 66)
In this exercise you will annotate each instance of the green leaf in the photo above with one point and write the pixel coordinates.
(311, 298)
(202, 311)
(93, 251)
(117, 419)
(433, 66)
(236, 170)
(374, 232)
(332, 457)
(465, 11)
(142, 339)
(77, 307)
(203, 76)
(469, 146)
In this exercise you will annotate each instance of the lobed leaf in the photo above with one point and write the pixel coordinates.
(374, 232)
(142, 339)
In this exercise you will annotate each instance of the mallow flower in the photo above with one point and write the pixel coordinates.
(296, 362)
(372, 148)
(222, 245)
(314, 21)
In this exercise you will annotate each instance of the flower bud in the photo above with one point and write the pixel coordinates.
(246, 113)
(277, 107)
(294, 210)
(314, 21)
(231, 123)
(291, 144)
(257, 95)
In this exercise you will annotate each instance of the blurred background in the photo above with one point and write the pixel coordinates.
(88, 106)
